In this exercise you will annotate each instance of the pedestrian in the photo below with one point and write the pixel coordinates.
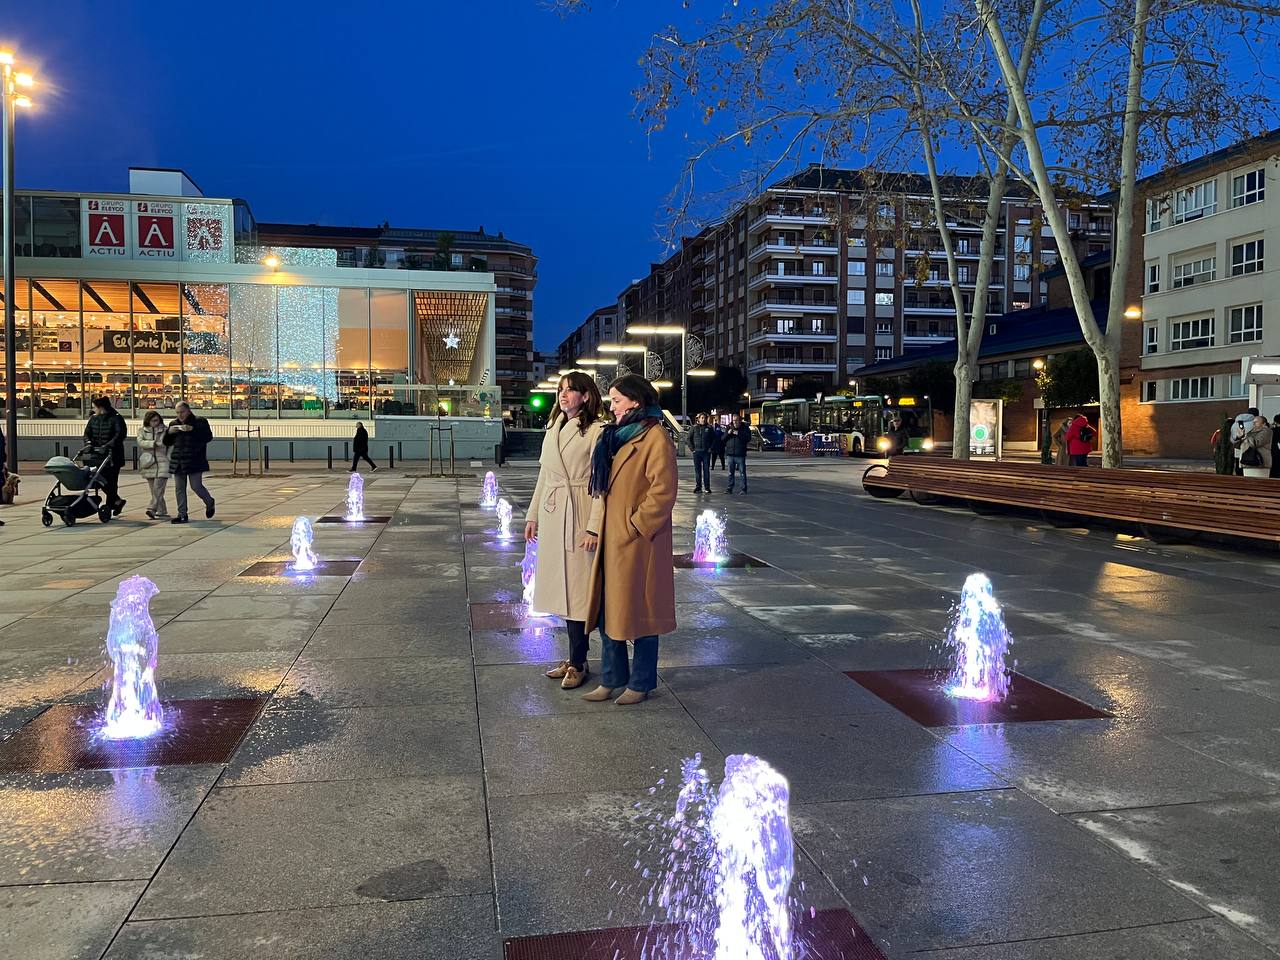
(188, 441)
(898, 436)
(701, 441)
(1061, 458)
(717, 445)
(735, 447)
(1275, 446)
(1241, 425)
(1255, 448)
(633, 599)
(105, 433)
(561, 513)
(360, 448)
(153, 462)
(1224, 456)
(1079, 437)
(4, 472)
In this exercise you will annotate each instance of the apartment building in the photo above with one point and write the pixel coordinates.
(1208, 297)
(830, 270)
(600, 327)
(513, 265)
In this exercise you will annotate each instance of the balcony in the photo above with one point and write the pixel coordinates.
(510, 312)
(709, 280)
(786, 331)
(790, 216)
(789, 278)
(513, 291)
(512, 269)
(792, 364)
(791, 307)
(776, 248)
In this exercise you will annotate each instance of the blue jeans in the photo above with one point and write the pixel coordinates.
(1078, 459)
(702, 469)
(736, 464)
(641, 675)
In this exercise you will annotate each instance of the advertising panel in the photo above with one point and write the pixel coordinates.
(155, 227)
(207, 232)
(105, 228)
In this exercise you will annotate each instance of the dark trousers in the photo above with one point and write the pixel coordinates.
(701, 470)
(109, 478)
(1078, 459)
(718, 453)
(577, 643)
(736, 464)
(362, 455)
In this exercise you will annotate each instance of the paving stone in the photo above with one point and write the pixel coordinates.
(64, 921)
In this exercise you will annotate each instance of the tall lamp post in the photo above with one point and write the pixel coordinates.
(11, 81)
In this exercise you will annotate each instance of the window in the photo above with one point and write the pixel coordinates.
(1198, 201)
(1190, 334)
(1195, 271)
(1244, 324)
(885, 211)
(1248, 187)
(1073, 221)
(858, 240)
(1153, 278)
(963, 274)
(855, 297)
(1149, 391)
(1246, 257)
(1155, 216)
(1022, 271)
(1151, 343)
(1022, 369)
(1191, 388)
(884, 353)
(856, 325)
(819, 268)
(857, 268)
(884, 268)
(884, 327)
(884, 299)
(1236, 386)
(962, 245)
(1021, 244)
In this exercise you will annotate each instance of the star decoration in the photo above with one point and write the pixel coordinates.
(452, 341)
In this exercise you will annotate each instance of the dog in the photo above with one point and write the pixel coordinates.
(9, 491)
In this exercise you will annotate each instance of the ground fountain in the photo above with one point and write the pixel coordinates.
(980, 644)
(504, 519)
(134, 710)
(304, 558)
(489, 492)
(710, 543)
(528, 571)
(355, 498)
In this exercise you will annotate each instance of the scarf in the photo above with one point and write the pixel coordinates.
(611, 441)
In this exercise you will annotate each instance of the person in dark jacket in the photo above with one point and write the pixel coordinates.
(188, 441)
(360, 448)
(717, 446)
(735, 448)
(701, 440)
(898, 437)
(105, 433)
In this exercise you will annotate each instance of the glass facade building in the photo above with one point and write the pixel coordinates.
(215, 325)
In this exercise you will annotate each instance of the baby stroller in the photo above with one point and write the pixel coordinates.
(77, 494)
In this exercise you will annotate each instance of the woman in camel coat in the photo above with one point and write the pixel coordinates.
(560, 514)
(633, 596)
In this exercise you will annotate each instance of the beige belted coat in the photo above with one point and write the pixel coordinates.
(634, 572)
(564, 511)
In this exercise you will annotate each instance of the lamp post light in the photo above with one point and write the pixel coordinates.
(672, 330)
(11, 81)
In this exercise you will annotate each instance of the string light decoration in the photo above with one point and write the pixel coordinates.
(443, 317)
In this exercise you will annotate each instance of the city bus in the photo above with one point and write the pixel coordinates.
(858, 424)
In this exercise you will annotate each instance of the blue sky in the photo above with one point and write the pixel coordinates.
(451, 115)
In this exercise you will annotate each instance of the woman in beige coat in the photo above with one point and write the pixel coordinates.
(153, 462)
(633, 595)
(560, 514)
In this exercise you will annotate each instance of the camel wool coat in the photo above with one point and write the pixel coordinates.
(564, 511)
(633, 577)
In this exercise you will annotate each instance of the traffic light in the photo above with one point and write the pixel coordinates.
(537, 401)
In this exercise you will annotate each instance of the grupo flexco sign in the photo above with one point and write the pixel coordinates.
(116, 229)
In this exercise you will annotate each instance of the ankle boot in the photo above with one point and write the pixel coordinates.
(630, 696)
(599, 695)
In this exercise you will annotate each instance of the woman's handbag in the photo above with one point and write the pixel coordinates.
(1251, 458)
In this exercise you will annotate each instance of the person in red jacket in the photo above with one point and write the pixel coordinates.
(1079, 438)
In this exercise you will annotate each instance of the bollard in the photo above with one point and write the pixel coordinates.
(291, 451)
(57, 449)
(346, 454)
(497, 454)
(266, 458)
(135, 458)
(391, 456)
(330, 448)
(400, 450)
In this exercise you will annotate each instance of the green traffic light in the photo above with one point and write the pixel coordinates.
(536, 401)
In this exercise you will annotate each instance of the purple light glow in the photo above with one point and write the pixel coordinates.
(134, 709)
(489, 492)
(528, 574)
(710, 543)
(304, 559)
(355, 497)
(504, 519)
(981, 643)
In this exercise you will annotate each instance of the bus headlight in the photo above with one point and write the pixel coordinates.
(883, 444)
(928, 443)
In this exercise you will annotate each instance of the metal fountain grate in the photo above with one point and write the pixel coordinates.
(369, 518)
(735, 560)
(284, 568)
(827, 935)
(920, 695)
(65, 738)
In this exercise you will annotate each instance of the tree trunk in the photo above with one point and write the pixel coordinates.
(960, 419)
(1109, 405)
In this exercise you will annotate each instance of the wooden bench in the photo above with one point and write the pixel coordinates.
(1164, 504)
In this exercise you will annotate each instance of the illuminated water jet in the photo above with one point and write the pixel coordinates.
(528, 574)
(304, 559)
(489, 492)
(980, 643)
(355, 497)
(504, 519)
(134, 709)
(710, 542)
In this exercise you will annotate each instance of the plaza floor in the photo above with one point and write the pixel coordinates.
(414, 788)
